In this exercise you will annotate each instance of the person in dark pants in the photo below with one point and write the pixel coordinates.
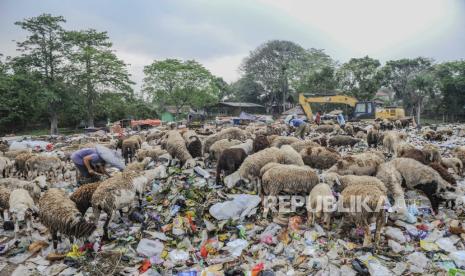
(89, 165)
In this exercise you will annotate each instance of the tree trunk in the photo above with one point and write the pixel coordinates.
(418, 113)
(53, 123)
(90, 94)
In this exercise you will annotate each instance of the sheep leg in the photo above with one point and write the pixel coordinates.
(310, 218)
(96, 215)
(105, 226)
(16, 229)
(55, 240)
(367, 236)
(5, 215)
(327, 220)
(29, 228)
(379, 226)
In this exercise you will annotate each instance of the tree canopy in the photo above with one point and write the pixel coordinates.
(180, 83)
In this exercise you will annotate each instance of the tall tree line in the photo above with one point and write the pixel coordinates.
(64, 76)
(277, 71)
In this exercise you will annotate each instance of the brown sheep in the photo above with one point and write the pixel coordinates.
(432, 153)
(340, 182)
(20, 163)
(459, 152)
(59, 214)
(391, 139)
(320, 157)
(219, 146)
(373, 137)
(230, 160)
(342, 141)
(260, 142)
(326, 128)
(152, 153)
(453, 163)
(300, 145)
(414, 153)
(283, 140)
(130, 147)
(228, 133)
(443, 172)
(358, 164)
(82, 197)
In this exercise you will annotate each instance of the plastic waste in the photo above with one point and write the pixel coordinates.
(201, 172)
(395, 234)
(149, 248)
(360, 267)
(239, 207)
(236, 247)
(458, 257)
(418, 261)
(231, 180)
(177, 256)
(446, 244)
(376, 268)
(395, 246)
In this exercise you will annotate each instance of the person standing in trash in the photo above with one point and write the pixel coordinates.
(340, 120)
(89, 164)
(318, 118)
(301, 127)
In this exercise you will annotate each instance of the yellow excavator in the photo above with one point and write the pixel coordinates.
(363, 110)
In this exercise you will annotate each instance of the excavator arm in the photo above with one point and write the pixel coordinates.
(305, 102)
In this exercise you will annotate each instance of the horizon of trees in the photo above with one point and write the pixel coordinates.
(65, 77)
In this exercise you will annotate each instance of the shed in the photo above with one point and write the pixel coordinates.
(235, 108)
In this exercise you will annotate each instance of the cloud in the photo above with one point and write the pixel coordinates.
(225, 66)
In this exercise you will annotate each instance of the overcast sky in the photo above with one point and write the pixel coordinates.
(220, 33)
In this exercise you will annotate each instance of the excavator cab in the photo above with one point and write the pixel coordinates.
(364, 110)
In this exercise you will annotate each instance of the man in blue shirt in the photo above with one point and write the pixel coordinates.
(89, 163)
(340, 120)
(301, 127)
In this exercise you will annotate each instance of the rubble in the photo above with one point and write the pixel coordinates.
(190, 225)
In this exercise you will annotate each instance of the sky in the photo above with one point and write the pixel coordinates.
(221, 33)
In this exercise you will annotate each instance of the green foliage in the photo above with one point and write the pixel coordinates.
(43, 54)
(451, 82)
(95, 67)
(360, 77)
(273, 66)
(412, 80)
(246, 90)
(180, 83)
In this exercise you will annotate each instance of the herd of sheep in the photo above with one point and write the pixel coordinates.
(265, 158)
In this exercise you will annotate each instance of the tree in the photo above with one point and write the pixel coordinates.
(247, 90)
(96, 69)
(43, 52)
(451, 81)
(360, 77)
(315, 74)
(178, 83)
(409, 79)
(223, 88)
(271, 65)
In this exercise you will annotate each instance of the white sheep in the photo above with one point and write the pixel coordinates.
(21, 209)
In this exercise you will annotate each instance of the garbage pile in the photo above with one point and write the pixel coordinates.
(188, 224)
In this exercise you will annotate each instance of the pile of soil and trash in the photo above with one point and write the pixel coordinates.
(188, 224)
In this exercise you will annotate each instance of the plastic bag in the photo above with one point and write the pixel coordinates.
(149, 248)
(239, 207)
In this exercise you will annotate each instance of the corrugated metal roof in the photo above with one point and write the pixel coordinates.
(235, 104)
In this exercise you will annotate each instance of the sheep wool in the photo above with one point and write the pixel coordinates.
(247, 146)
(453, 163)
(340, 182)
(176, 146)
(230, 160)
(59, 214)
(320, 157)
(227, 133)
(320, 202)
(283, 140)
(290, 179)
(259, 143)
(217, 148)
(300, 145)
(82, 197)
(375, 199)
(342, 141)
(358, 164)
(250, 168)
(290, 156)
